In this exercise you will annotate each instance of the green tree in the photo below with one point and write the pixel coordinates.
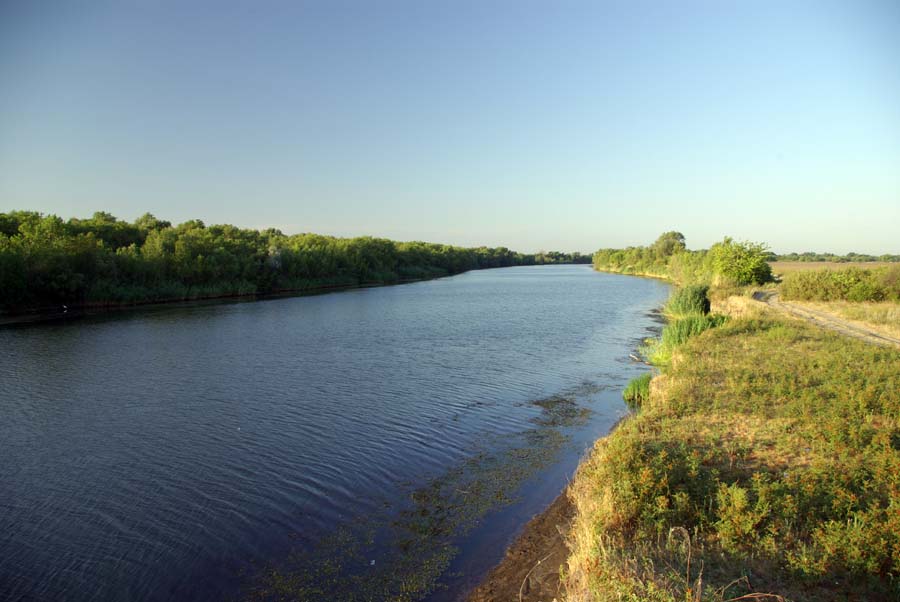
(741, 262)
(668, 244)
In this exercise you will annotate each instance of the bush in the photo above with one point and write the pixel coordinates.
(849, 284)
(741, 262)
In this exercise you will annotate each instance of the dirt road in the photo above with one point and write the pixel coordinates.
(827, 320)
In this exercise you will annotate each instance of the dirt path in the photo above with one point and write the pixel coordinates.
(826, 320)
(530, 570)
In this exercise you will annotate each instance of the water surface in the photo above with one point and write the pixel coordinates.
(187, 452)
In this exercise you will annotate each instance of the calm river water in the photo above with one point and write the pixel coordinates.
(343, 446)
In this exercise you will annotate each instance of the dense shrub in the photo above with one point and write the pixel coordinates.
(645, 261)
(45, 261)
(849, 284)
(727, 262)
(741, 262)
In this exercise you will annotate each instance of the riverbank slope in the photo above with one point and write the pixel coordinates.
(765, 463)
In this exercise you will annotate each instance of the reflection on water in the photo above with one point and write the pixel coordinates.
(240, 450)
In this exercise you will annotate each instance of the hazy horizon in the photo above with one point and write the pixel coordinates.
(568, 127)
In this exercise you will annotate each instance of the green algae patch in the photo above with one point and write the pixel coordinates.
(402, 554)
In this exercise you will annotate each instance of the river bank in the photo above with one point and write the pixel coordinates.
(763, 464)
(72, 311)
(68, 312)
(530, 570)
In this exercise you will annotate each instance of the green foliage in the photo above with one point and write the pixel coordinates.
(668, 244)
(691, 267)
(849, 284)
(553, 257)
(831, 257)
(741, 262)
(638, 391)
(46, 262)
(733, 262)
(687, 300)
(676, 333)
(640, 261)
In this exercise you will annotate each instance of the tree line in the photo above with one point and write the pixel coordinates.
(848, 258)
(47, 262)
(726, 262)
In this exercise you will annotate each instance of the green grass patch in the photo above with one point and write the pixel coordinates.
(689, 300)
(638, 391)
(676, 333)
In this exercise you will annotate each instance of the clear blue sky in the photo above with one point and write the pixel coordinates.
(535, 125)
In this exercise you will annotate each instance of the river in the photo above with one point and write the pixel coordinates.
(352, 445)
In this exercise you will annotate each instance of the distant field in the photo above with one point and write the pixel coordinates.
(786, 267)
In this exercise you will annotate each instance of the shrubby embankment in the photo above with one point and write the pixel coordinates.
(47, 262)
(848, 284)
(725, 263)
(763, 462)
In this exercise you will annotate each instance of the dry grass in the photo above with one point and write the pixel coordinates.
(881, 317)
(741, 306)
(780, 268)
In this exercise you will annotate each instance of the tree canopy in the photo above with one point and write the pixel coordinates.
(668, 257)
(46, 261)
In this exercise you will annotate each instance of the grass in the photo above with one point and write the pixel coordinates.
(659, 351)
(638, 391)
(687, 311)
(765, 460)
(782, 268)
(884, 314)
(688, 300)
(881, 317)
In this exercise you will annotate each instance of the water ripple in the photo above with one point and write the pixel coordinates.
(152, 455)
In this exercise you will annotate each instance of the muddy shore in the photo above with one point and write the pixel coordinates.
(530, 569)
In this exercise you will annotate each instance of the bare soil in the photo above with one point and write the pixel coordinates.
(530, 570)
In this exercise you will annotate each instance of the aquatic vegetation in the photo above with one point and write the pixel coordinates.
(638, 391)
(677, 332)
(688, 300)
(402, 554)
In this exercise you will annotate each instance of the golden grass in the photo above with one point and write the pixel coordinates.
(780, 268)
(883, 317)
